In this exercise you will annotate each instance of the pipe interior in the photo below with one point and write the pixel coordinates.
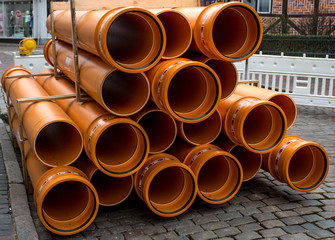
(111, 190)
(227, 74)
(178, 33)
(301, 164)
(171, 189)
(160, 128)
(205, 131)
(116, 145)
(66, 201)
(229, 31)
(192, 92)
(124, 93)
(250, 161)
(130, 38)
(58, 144)
(264, 127)
(288, 106)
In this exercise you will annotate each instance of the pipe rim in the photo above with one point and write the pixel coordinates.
(162, 99)
(214, 52)
(8, 72)
(104, 26)
(98, 130)
(75, 175)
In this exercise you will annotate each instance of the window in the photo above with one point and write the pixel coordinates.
(264, 6)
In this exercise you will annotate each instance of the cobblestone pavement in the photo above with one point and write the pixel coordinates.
(262, 209)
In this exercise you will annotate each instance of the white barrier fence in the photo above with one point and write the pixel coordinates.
(309, 81)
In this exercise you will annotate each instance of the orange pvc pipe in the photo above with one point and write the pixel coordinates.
(302, 164)
(202, 132)
(283, 100)
(166, 185)
(130, 39)
(54, 137)
(219, 174)
(117, 146)
(178, 32)
(66, 202)
(227, 31)
(255, 124)
(160, 127)
(250, 162)
(120, 93)
(188, 90)
(111, 190)
(226, 72)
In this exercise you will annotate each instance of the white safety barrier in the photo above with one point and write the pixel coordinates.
(309, 81)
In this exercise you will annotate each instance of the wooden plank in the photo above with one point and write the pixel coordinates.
(110, 4)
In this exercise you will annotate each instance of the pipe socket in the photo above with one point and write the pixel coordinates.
(227, 31)
(283, 100)
(117, 146)
(54, 137)
(301, 164)
(166, 185)
(188, 90)
(120, 93)
(255, 124)
(130, 39)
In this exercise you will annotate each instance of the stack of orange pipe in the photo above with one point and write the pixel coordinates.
(166, 115)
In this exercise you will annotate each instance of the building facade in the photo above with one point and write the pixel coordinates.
(21, 19)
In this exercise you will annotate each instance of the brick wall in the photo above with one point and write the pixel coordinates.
(277, 6)
(300, 7)
(327, 6)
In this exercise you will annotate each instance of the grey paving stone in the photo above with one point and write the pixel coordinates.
(312, 217)
(297, 236)
(327, 214)
(247, 236)
(257, 196)
(240, 221)
(307, 210)
(238, 200)
(163, 236)
(308, 203)
(294, 229)
(326, 223)
(173, 225)
(229, 231)
(274, 232)
(328, 202)
(25, 227)
(273, 223)
(153, 230)
(317, 234)
(250, 227)
(289, 206)
(264, 216)
(310, 226)
(135, 233)
(315, 196)
(203, 235)
(214, 225)
(269, 209)
(229, 216)
(234, 208)
(188, 230)
(293, 220)
(253, 204)
(205, 219)
(249, 211)
(275, 201)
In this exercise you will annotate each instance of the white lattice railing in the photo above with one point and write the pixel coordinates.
(309, 81)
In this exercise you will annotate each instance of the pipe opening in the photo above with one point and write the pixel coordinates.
(160, 128)
(120, 148)
(178, 33)
(134, 40)
(192, 92)
(111, 190)
(250, 161)
(288, 106)
(171, 190)
(264, 127)
(229, 31)
(68, 205)
(58, 144)
(227, 74)
(205, 131)
(124, 93)
(218, 178)
(308, 168)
